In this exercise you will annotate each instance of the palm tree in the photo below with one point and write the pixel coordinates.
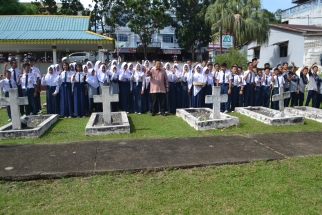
(242, 18)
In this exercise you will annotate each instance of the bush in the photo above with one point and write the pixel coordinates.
(232, 57)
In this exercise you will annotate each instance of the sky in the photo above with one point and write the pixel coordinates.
(270, 5)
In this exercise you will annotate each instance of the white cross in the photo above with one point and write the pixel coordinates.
(280, 97)
(106, 98)
(215, 99)
(14, 101)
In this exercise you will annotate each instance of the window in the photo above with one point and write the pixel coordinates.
(122, 37)
(283, 50)
(168, 38)
(257, 52)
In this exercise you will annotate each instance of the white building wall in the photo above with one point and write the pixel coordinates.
(309, 17)
(270, 53)
(312, 49)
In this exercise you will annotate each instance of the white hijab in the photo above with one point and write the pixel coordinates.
(96, 68)
(102, 76)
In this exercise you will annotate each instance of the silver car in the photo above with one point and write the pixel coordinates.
(81, 57)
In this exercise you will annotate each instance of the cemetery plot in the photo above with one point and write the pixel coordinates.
(307, 112)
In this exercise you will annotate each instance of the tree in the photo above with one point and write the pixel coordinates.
(71, 7)
(278, 15)
(241, 18)
(47, 6)
(232, 57)
(145, 17)
(271, 16)
(14, 7)
(191, 30)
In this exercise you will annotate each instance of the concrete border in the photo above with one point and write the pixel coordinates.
(225, 121)
(111, 129)
(289, 119)
(310, 112)
(29, 133)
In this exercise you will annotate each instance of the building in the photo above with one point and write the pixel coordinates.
(305, 12)
(299, 43)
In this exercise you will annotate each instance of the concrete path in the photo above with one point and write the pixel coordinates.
(26, 162)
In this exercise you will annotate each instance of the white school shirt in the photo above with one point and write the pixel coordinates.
(147, 81)
(103, 76)
(178, 74)
(209, 79)
(125, 76)
(30, 82)
(294, 84)
(257, 79)
(186, 76)
(197, 77)
(240, 80)
(313, 82)
(79, 78)
(171, 77)
(68, 75)
(251, 77)
(17, 72)
(113, 76)
(303, 83)
(35, 71)
(92, 80)
(234, 81)
(228, 76)
(6, 85)
(139, 77)
(268, 79)
(279, 81)
(51, 80)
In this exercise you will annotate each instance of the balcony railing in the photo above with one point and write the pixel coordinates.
(301, 8)
(151, 45)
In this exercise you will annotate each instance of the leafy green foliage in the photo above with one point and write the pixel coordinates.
(191, 30)
(242, 18)
(14, 7)
(71, 7)
(232, 57)
(272, 17)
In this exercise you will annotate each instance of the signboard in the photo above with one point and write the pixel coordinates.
(227, 42)
(171, 51)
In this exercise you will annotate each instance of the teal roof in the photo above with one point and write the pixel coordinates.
(44, 23)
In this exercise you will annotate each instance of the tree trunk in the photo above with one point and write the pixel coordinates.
(102, 25)
(193, 54)
(235, 43)
(220, 38)
(145, 54)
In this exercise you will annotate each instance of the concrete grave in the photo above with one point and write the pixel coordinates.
(307, 112)
(34, 126)
(207, 119)
(270, 116)
(107, 122)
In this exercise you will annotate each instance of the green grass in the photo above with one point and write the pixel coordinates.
(291, 186)
(145, 126)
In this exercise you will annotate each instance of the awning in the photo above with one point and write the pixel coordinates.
(279, 43)
(254, 47)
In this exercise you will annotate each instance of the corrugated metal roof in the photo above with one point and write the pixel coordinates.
(48, 35)
(299, 28)
(44, 23)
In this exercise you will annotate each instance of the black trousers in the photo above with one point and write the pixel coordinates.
(156, 99)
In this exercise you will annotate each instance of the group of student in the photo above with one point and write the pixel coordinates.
(70, 88)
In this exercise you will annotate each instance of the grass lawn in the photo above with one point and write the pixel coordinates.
(145, 126)
(291, 186)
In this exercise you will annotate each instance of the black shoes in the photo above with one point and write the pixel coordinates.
(153, 114)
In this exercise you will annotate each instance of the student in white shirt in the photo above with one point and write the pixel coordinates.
(138, 82)
(209, 84)
(198, 91)
(249, 77)
(65, 79)
(303, 83)
(125, 87)
(114, 85)
(266, 87)
(258, 90)
(78, 81)
(224, 80)
(171, 95)
(313, 86)
(241, 83)
(51, 81)
(294, 88)
(29, 89)
(278, 81)
(6, 84)
(37, 74)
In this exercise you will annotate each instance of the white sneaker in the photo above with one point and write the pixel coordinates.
(65, 117)
(83, 117)
(226, 111)
(139, 113)
(24, 115)
(69, 117)
(233, 111)
(40, 111)
(9, 120)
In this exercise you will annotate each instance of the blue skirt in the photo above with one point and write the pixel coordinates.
(79, 99)
(207, 92)
(65, 92)
(125, 96)
(51, 101)
(137, 98)
(171, 98)
(197, 99)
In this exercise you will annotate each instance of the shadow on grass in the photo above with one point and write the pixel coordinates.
(132, 126)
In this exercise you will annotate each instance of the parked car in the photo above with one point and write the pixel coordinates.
(81, 57)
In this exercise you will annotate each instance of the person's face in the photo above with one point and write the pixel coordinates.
(32, 63)
(305, 71)
(85, 69)
(203, 63)
(89, 66)
(285, 66)
(259, 73)
(175, 61)
(14, 65)
(277, 72)
(103, 69)
(315, 69)
(71, 67)
(209, 68)
(255, 62)
(189, 63)
(154, 62)
(239, 71)
(267, 66)
(267, 72)
(65, 67)
(198, 69)
(223, 68)
(280, 68)
(138, 68)
(250, 66)
(143, 69)
(114, 70)
(158, 65)
(78, 68)
(8, 75)
(125, 67)
(131, 67)
(147, 65)
(168, 67)
(233, 70)
(51, 71)
(185, 68)
(114, 63)
(27, 68)
(216, 67)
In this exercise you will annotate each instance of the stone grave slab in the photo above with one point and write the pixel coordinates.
(307, 112)
(107, 122)
(206, 118)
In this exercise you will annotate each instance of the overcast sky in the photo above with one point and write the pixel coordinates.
(271, 5)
